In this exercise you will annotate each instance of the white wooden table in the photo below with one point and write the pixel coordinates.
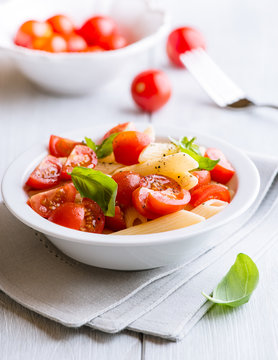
(242, 37)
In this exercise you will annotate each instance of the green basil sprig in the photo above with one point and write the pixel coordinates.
(237, 286)
(104, 149)
(95, 185)
(187, 146)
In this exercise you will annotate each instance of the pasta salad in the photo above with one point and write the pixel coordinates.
(129, 183)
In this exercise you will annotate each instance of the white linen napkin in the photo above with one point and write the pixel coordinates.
(165, 302)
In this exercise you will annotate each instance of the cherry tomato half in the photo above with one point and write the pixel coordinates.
(70, 215)
(127, 182)
(203, 177)
(61, 24)
(117, 222)
(223, 171)
(61, 147)
(98, 30)
(54, 44)
(128, 145)
(181, 40)
(44, 203)
(151, 90)
(81, 155)
(159, 195)
(119, 128)
(207, 192)
(46, 174)
(32, 31)
(94, 218)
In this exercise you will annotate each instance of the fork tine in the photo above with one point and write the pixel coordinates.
(214, 81)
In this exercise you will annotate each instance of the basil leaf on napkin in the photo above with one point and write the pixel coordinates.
(95, 185)
(237, 286)
(105, 148)
(187, 146)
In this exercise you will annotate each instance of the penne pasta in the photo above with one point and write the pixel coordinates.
(176, 166)
(177, 220)
(210, 208)
(133, 217)
(156, 151)
(109, 159)
(108, 168)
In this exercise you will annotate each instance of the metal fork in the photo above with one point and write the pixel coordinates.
(215, 82)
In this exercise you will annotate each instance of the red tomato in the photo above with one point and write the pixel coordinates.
(159, 195)
(115, 42)
(76, 43)
(181, 40)
(94, 48)
(61, 24)
(223, 171)
(94, 219)
(54, 44)
(46, 174)
(128, 145)
(46, 202)
(117, 222)
(30, 31)
(120, 128)
(70, 215)
(207, 192)
(81, 155)
(151, 90)
(61, 147)
(127, 182)
(203, 177)
(98, 30)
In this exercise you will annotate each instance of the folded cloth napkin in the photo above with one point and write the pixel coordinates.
(165, 302)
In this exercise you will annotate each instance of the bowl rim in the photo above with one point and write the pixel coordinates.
(17, 173)
(132, 48)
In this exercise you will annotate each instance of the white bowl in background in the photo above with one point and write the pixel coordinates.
(137, 251)
(79, 73)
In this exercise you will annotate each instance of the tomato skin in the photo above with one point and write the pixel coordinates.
(94, 48)
(46, 174)
(115, 42)
(76, 43)
(203, 177)
(61, 147)
(128, 145)
(223, 171)
(207, 192)
(120, 128)
(46, 202)
(54, 44)
(30, 31)
(94, 218)
(151, 90)
(181, 40)
(61, 24)
(127, 182)
(139, 201)
(117, 222)
(81, 155)
(98, 30)
(70, 215)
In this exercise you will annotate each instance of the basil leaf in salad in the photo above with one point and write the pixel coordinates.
(187, 146)
(237, 286)
(104, 149)
(95, 185)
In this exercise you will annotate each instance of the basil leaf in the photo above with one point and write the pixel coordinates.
(91, 144)
(105, 148)
(187, 146)
(237, 286)
(95, 185)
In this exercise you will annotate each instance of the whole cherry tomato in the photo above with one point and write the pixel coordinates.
(127, 182)
(32, 32)
(55, 44)
(128, 145)
(94, 48)
(117, 222)
(151, 90)
(115, 42)
(61, 24)
(181, 40)
(76, 43)
(120, 128)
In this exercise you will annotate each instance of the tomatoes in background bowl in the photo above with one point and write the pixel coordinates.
(151, 89)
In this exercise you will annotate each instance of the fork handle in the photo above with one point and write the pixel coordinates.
(268, 106)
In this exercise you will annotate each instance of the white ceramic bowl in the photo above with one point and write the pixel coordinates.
(138, 251)
(77, 73)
